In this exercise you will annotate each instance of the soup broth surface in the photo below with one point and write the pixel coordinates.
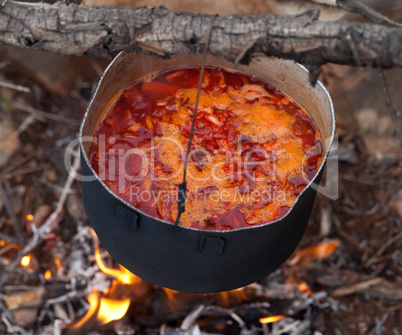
(254, 148)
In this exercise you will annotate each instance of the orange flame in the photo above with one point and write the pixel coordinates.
(170, 293)
(25, 261)
(122, 275)
(108, 309)
(304, 288)
(171, 299)
(93, 300)
(320, 251)
(48, 274)
(29, 217)
(111, 309)
(224, 296)
(238, 295)
(271, 319)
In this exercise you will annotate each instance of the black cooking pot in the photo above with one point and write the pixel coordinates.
(189, 259)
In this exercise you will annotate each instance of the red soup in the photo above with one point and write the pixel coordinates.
(254, 148)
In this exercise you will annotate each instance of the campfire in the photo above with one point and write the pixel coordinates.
(112, 298)
(242, 307)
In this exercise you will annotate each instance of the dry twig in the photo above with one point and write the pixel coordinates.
(13, 329)
(41, 114)
(358, 7)
(350, 289)
(380, 251)
(388, 103)
(41, 233)
(11, 214)
(12, 86)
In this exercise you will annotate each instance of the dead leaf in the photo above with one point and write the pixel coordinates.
(397, 206)
(41, 214)
(28, 297)
(26, 317)
(9, 140)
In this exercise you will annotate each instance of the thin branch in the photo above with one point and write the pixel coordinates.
(23, 171)
(360, 8)
(14, 329)
(389, 105)
(384, 247)
(357, 7)
(12, 86)
(41, 114)
(12, 215)
(357, 287)
(97, 31)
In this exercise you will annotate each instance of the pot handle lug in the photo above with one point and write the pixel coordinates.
(211, 246)
(127, 218)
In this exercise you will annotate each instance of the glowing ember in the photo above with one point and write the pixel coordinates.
(93, 300)
(48, 275)
(25, 260)
(111, 309)
(59, 271)
(29, 217)
(273, 318)
(304, 288)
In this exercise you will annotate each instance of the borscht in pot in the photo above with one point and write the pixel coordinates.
(254, 148)
(260, 141)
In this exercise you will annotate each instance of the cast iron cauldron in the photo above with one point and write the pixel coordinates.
(189, 259)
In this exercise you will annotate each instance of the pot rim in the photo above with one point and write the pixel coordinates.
(83, 153)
